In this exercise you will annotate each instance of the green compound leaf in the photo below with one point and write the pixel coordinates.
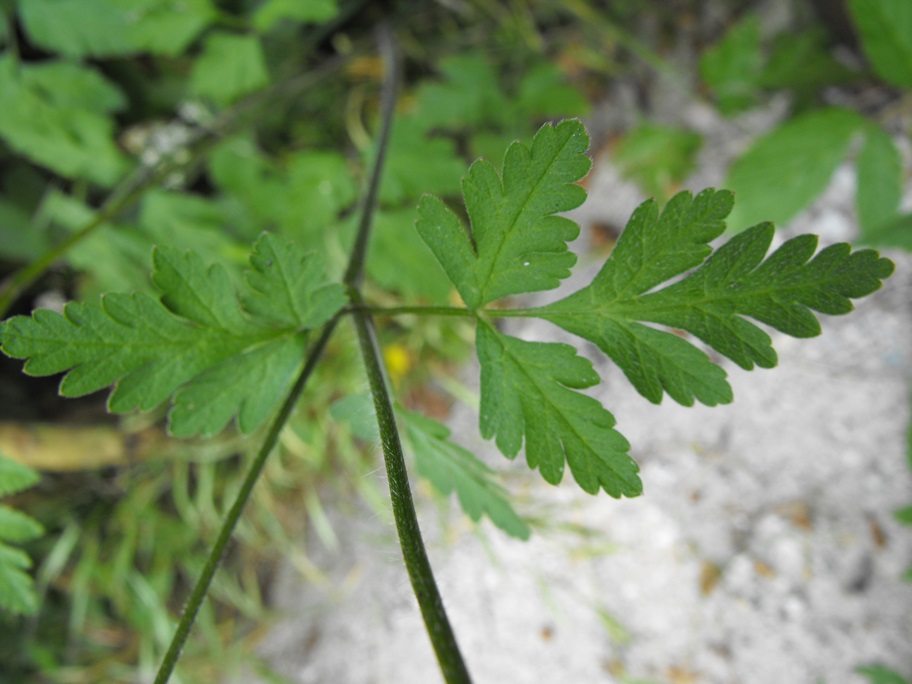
(712, 302)
(529, 394)
(517, 244)
(449, 467)
(528, 390)
(196, 343)
(17, 593)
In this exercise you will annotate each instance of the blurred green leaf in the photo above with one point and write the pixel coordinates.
(112, 257)
(237, 165)
(897, 233)
(16, 526)
(803, 63)
(17, 593)
(878, 674)
(66, 84)
(784, 170)
(42, 118)
(398, 259)
(468, 95)
(230, 67)
(104, 28)
(544, 93)
(904, 515)
(19, 239)
(188, 221)
(271, 12)
(885, 27)
(657, 158)
(15, 477)
(417, 163)
(733, 66)
(880, 181)
(317, 186)
(253, 188)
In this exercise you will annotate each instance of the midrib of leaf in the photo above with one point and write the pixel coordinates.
(196, 334)
(640, 307)
(215, 314)
(287, 295)
(512, 224)
(544, 398)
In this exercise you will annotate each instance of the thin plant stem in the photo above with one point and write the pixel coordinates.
(355, 271)
(455, 311)
(201, 588)
(512, 313)
(414, 553)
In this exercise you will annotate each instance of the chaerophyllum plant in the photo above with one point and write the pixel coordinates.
(219, 352)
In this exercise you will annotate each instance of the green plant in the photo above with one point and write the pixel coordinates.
(218, 354)
(135, 126)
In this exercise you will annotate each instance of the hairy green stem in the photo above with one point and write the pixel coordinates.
(413, 550)
(414, 554)
(201, 588)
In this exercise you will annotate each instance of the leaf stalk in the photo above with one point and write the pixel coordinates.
(414, 553)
